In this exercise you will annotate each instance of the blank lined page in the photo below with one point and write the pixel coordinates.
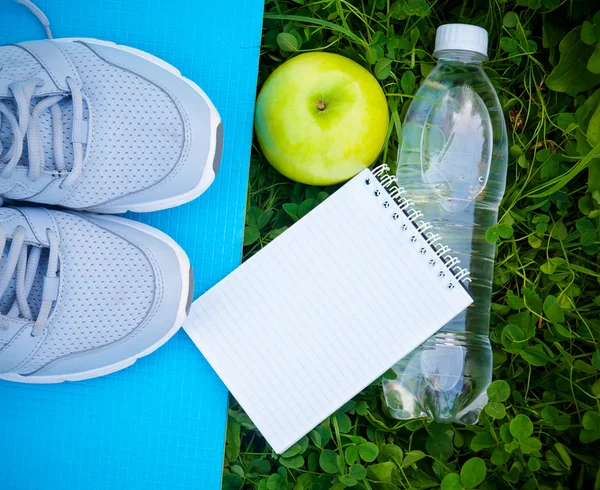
(323, 311)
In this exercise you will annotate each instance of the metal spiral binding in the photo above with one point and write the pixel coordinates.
(406, 206)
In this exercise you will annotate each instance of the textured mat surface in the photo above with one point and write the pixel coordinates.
(161, 423)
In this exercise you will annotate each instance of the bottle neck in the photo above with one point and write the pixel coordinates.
(461, 56)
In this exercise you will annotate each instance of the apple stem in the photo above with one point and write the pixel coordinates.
(321, 105)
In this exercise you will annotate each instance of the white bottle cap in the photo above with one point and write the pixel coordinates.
(463, 37)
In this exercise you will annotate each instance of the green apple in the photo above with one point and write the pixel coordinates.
(321, 118)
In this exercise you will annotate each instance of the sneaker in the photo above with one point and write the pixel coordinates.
(90, 125)
(85, 295)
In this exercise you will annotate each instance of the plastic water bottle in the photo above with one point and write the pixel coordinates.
(452, 163)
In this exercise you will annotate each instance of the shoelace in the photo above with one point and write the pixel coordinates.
(23, 267)
(27, 125)
(35, 10)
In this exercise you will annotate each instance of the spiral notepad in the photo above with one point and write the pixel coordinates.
(328, 307)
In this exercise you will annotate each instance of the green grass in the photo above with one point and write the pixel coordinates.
(542, 426)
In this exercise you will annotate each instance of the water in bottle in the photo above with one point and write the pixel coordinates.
(452, 163)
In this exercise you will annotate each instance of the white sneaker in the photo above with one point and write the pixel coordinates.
(87, 124)
(84, 295)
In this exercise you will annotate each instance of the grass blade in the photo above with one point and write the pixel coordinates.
(320, 22)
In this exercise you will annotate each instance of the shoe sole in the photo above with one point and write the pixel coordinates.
(184, 306)
(216, 141)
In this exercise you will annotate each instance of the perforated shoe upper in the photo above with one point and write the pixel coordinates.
(101, 127)
(118, 291)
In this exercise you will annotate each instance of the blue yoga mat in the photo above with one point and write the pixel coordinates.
(161, 423)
